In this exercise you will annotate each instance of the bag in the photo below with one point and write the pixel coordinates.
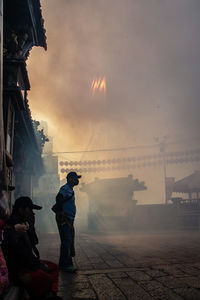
(57, 207)
(54, 208)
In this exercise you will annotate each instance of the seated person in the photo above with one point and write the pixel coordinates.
(4, 281)
(39, 278)
(4, 212)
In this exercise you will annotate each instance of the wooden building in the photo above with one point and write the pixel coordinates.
(1, 95)
(23, 29)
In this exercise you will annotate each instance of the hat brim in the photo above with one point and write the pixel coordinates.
(73, 175)
(36, 207)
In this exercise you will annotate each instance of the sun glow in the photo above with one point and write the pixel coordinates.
(98, 85)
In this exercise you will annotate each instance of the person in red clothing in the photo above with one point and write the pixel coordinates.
(38, 277)
(4, 278)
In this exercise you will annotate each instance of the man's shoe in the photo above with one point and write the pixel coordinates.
(70, 269)
(54, 298)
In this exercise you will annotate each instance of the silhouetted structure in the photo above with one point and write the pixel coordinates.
(46, 191)
(111, 206)
(188, 209)
(1, 100)
(48, 186)
(189, 185)
(111, 201)
(179, 214)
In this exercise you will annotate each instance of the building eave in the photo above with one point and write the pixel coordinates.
(26, 16)
(38, 23)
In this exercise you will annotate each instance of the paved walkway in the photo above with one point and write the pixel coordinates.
(131, 266)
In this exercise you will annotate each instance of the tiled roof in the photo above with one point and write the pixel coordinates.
(188, 184)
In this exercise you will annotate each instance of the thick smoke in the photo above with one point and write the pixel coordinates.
(149, 51)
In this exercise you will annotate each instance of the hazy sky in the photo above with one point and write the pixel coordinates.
(149, 52)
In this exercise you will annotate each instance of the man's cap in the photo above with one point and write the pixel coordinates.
(25, 202)
(73, 175)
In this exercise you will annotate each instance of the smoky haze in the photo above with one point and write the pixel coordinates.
(149, 51)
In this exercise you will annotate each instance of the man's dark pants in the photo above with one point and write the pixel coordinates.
(66, 233)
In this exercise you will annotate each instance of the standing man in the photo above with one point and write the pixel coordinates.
(65, 210)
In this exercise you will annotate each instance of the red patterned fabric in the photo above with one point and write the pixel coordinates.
(4, 282)
(3, 225)
(39, 283)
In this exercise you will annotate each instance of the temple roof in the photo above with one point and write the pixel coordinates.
(114, 183)
(189, 184)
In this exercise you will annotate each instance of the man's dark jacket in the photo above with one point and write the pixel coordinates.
(18, 249)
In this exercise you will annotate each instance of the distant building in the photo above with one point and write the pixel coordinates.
(181, 213)
(188, 209)
(189, 185)
(48, 186)
(111, 201)
(112, 205)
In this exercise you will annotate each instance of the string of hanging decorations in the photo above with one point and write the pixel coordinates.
(131, 162)
(129, 159)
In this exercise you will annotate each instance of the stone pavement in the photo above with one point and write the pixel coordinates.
(138, 266)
